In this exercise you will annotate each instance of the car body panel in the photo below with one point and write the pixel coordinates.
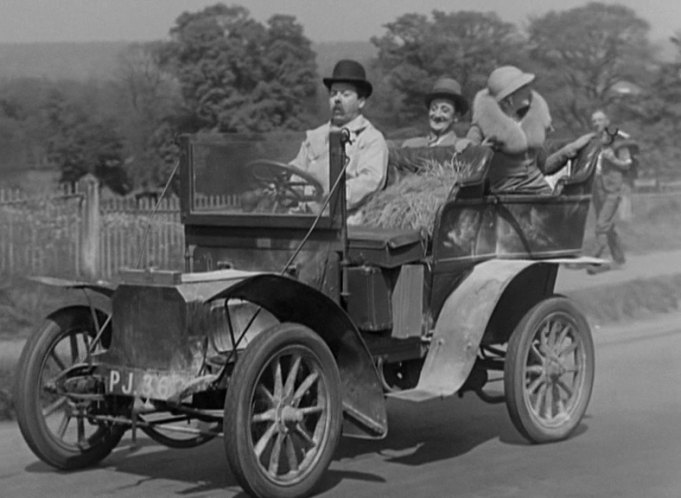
(292, 301)
(466, 315)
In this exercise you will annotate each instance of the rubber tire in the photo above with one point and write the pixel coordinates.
(29, 416)
(514, 381)
(266, 345)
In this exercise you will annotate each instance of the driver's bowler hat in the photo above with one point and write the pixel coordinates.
(350, 71)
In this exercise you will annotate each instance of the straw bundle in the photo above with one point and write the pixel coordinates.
(420, 188)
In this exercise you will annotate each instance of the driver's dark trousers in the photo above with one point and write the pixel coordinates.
(606, 201)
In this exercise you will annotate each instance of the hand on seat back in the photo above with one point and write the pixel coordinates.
(461, 145)
(573, 148)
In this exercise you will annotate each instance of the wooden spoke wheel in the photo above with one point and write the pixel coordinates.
(283, 412)
(55, 422)
(549, 371)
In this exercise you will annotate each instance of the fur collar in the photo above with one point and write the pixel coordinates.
(512, 136)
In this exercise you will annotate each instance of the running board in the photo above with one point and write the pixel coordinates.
(417, 395)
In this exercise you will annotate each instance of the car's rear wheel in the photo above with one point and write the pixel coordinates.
(283, 412)
(549, 371)
(56, 425)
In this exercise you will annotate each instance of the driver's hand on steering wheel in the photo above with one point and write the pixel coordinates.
(310, 207)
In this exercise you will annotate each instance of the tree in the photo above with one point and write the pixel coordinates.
(22, 130)
(150, 92)
(238, 75)
(416, 50)
(582, 54)
(12, 132)
(81, 144)
(654, 119)
(150, 103)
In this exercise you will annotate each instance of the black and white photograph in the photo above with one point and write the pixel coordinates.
(297, 248)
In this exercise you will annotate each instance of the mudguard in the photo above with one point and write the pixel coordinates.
(292, 301)
(93, 295)
(462, 323)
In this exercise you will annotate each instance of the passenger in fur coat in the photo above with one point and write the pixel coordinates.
(513, 118)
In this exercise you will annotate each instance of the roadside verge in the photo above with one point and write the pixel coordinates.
(648, 284)
(627, 300)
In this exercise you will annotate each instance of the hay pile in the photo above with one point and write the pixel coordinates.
(420, 188)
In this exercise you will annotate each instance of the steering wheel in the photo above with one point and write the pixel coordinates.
(287, 182)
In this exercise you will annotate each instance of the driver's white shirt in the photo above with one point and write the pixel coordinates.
(367, 152)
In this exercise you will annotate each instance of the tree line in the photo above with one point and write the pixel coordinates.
(220, 70)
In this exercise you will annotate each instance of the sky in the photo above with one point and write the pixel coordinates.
(24, 21)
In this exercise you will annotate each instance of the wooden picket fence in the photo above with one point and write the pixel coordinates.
(73, 233)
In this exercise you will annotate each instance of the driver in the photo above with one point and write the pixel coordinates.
(367, 150)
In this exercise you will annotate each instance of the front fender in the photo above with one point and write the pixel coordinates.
(96, 296)
(292, 301)
(464, 318)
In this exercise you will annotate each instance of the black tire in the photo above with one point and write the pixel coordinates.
(549, 371)
(283, 412)
(56, 345)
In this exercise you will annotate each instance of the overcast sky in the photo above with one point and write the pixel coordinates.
(323, 20)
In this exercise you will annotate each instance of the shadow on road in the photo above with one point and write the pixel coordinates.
(435, 430)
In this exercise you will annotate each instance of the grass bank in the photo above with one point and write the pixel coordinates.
(23, 304)
(634, 299)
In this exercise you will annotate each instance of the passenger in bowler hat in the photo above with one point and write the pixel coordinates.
(445, 105)
(367, 151)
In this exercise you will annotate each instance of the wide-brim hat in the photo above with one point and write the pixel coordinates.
(448, 89)
(505, 80)
(349, 71)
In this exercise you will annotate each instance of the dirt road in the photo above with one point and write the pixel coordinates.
(628, 446)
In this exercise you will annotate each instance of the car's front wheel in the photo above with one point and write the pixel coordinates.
(283, 412)
(549, 371)
(57, 424)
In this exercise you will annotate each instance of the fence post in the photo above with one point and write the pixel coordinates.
(90, 219)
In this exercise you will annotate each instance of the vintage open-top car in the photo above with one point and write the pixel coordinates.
(289, 328)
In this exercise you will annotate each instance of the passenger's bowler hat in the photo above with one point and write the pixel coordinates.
(505, 80)
(449, 89)
(349, 71)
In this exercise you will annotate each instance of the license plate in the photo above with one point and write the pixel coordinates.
(144, 383)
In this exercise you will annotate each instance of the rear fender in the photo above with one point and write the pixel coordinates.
(527, 288)
(466, 314)
(292, 301)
